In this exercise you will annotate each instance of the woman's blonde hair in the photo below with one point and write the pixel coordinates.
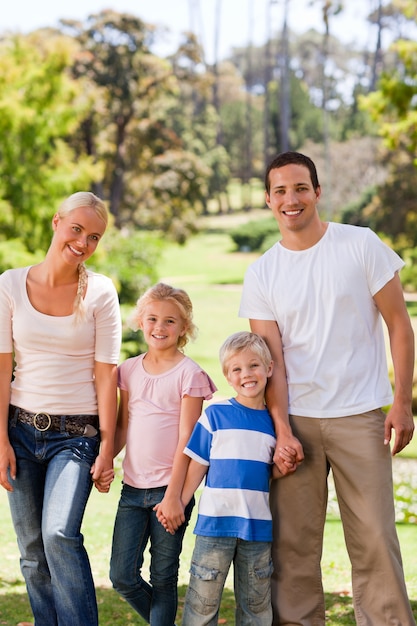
(83, 199)
(179, 297)
(75, 201)
(240, 341)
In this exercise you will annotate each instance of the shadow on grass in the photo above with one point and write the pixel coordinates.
(114, 611)
(339, 609)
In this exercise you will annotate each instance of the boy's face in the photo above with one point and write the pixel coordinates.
(248, 375)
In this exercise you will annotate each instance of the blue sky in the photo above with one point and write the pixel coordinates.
(240, 19)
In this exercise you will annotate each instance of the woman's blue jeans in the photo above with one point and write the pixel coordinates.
(135, 524)
(210, 565)
(47, 505)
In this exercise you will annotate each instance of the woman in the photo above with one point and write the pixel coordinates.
(60, 327)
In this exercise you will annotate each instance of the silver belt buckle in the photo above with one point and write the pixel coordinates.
(35, 417)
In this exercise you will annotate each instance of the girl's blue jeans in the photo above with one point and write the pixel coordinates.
(47, 505)
(210, 565)
(136, 524)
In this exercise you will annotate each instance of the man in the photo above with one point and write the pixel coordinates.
(318, 296)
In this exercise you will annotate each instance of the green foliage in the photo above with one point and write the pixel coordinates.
(145, 133)
(409, 271)
(129, 258)
(251, 236)
(39, 107)
(13, 253)
(354, 212)
(393, 106)
(306, 118)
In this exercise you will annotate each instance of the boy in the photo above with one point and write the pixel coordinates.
(233, 443)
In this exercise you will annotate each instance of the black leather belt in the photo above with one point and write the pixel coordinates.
(42, 421)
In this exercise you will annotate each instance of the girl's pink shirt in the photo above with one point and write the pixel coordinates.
(154, 415)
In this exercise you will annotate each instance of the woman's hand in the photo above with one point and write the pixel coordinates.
(7, 462)
(102, 473)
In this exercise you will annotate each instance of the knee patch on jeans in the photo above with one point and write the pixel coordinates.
(204, 592)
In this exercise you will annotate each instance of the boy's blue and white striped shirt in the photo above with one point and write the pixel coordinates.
(237, 444)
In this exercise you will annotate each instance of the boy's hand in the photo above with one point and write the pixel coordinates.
(288, 457)
(170, 513)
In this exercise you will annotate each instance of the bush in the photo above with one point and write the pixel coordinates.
(13, 253)
(249, 237)
(130, 259)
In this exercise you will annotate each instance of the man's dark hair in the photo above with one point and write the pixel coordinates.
(289, 158)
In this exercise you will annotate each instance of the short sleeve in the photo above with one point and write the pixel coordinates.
(6, 312)
(199, 385)
(108, 324)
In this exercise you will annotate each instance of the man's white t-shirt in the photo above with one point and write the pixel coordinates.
(332, 335)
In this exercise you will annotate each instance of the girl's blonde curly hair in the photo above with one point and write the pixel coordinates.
(179, 297)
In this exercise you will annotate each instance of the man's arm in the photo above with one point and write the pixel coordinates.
(390, 302)
(277, 396)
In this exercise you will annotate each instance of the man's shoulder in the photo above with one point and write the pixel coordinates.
(267, 257)
(350, 230)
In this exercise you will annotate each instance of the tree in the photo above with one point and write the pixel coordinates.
(130, 127)
(195, 118)
(40, 107)
(393, 108)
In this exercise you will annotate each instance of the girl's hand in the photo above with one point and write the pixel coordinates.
(170, 513)
(102, 475)
(161, 519)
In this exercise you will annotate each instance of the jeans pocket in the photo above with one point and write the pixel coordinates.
(264, 572)
(85, 448)
(259, 598)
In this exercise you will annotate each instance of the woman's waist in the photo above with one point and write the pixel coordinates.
(57, 400)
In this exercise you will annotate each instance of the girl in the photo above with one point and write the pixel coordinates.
(60, 324)
(161, 398)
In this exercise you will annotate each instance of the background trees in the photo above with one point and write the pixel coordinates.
(163, 140)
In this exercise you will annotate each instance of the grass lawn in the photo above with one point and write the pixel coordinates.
(98, 524)
(212, 276)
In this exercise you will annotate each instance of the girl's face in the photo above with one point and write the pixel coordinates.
(162, 324)
(78, 233)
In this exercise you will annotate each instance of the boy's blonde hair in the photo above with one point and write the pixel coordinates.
(179, 297)
(240, 341)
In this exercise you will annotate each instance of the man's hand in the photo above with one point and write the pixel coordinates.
(401, 420)
(288, 454)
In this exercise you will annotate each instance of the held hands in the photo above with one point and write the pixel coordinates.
(170, 513)
(288, 455)
(102, 474)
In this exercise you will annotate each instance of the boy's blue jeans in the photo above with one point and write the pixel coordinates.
(136, 524)
(51, 490)
(210, 564)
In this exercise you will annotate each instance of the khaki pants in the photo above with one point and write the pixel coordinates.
(361, 465)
